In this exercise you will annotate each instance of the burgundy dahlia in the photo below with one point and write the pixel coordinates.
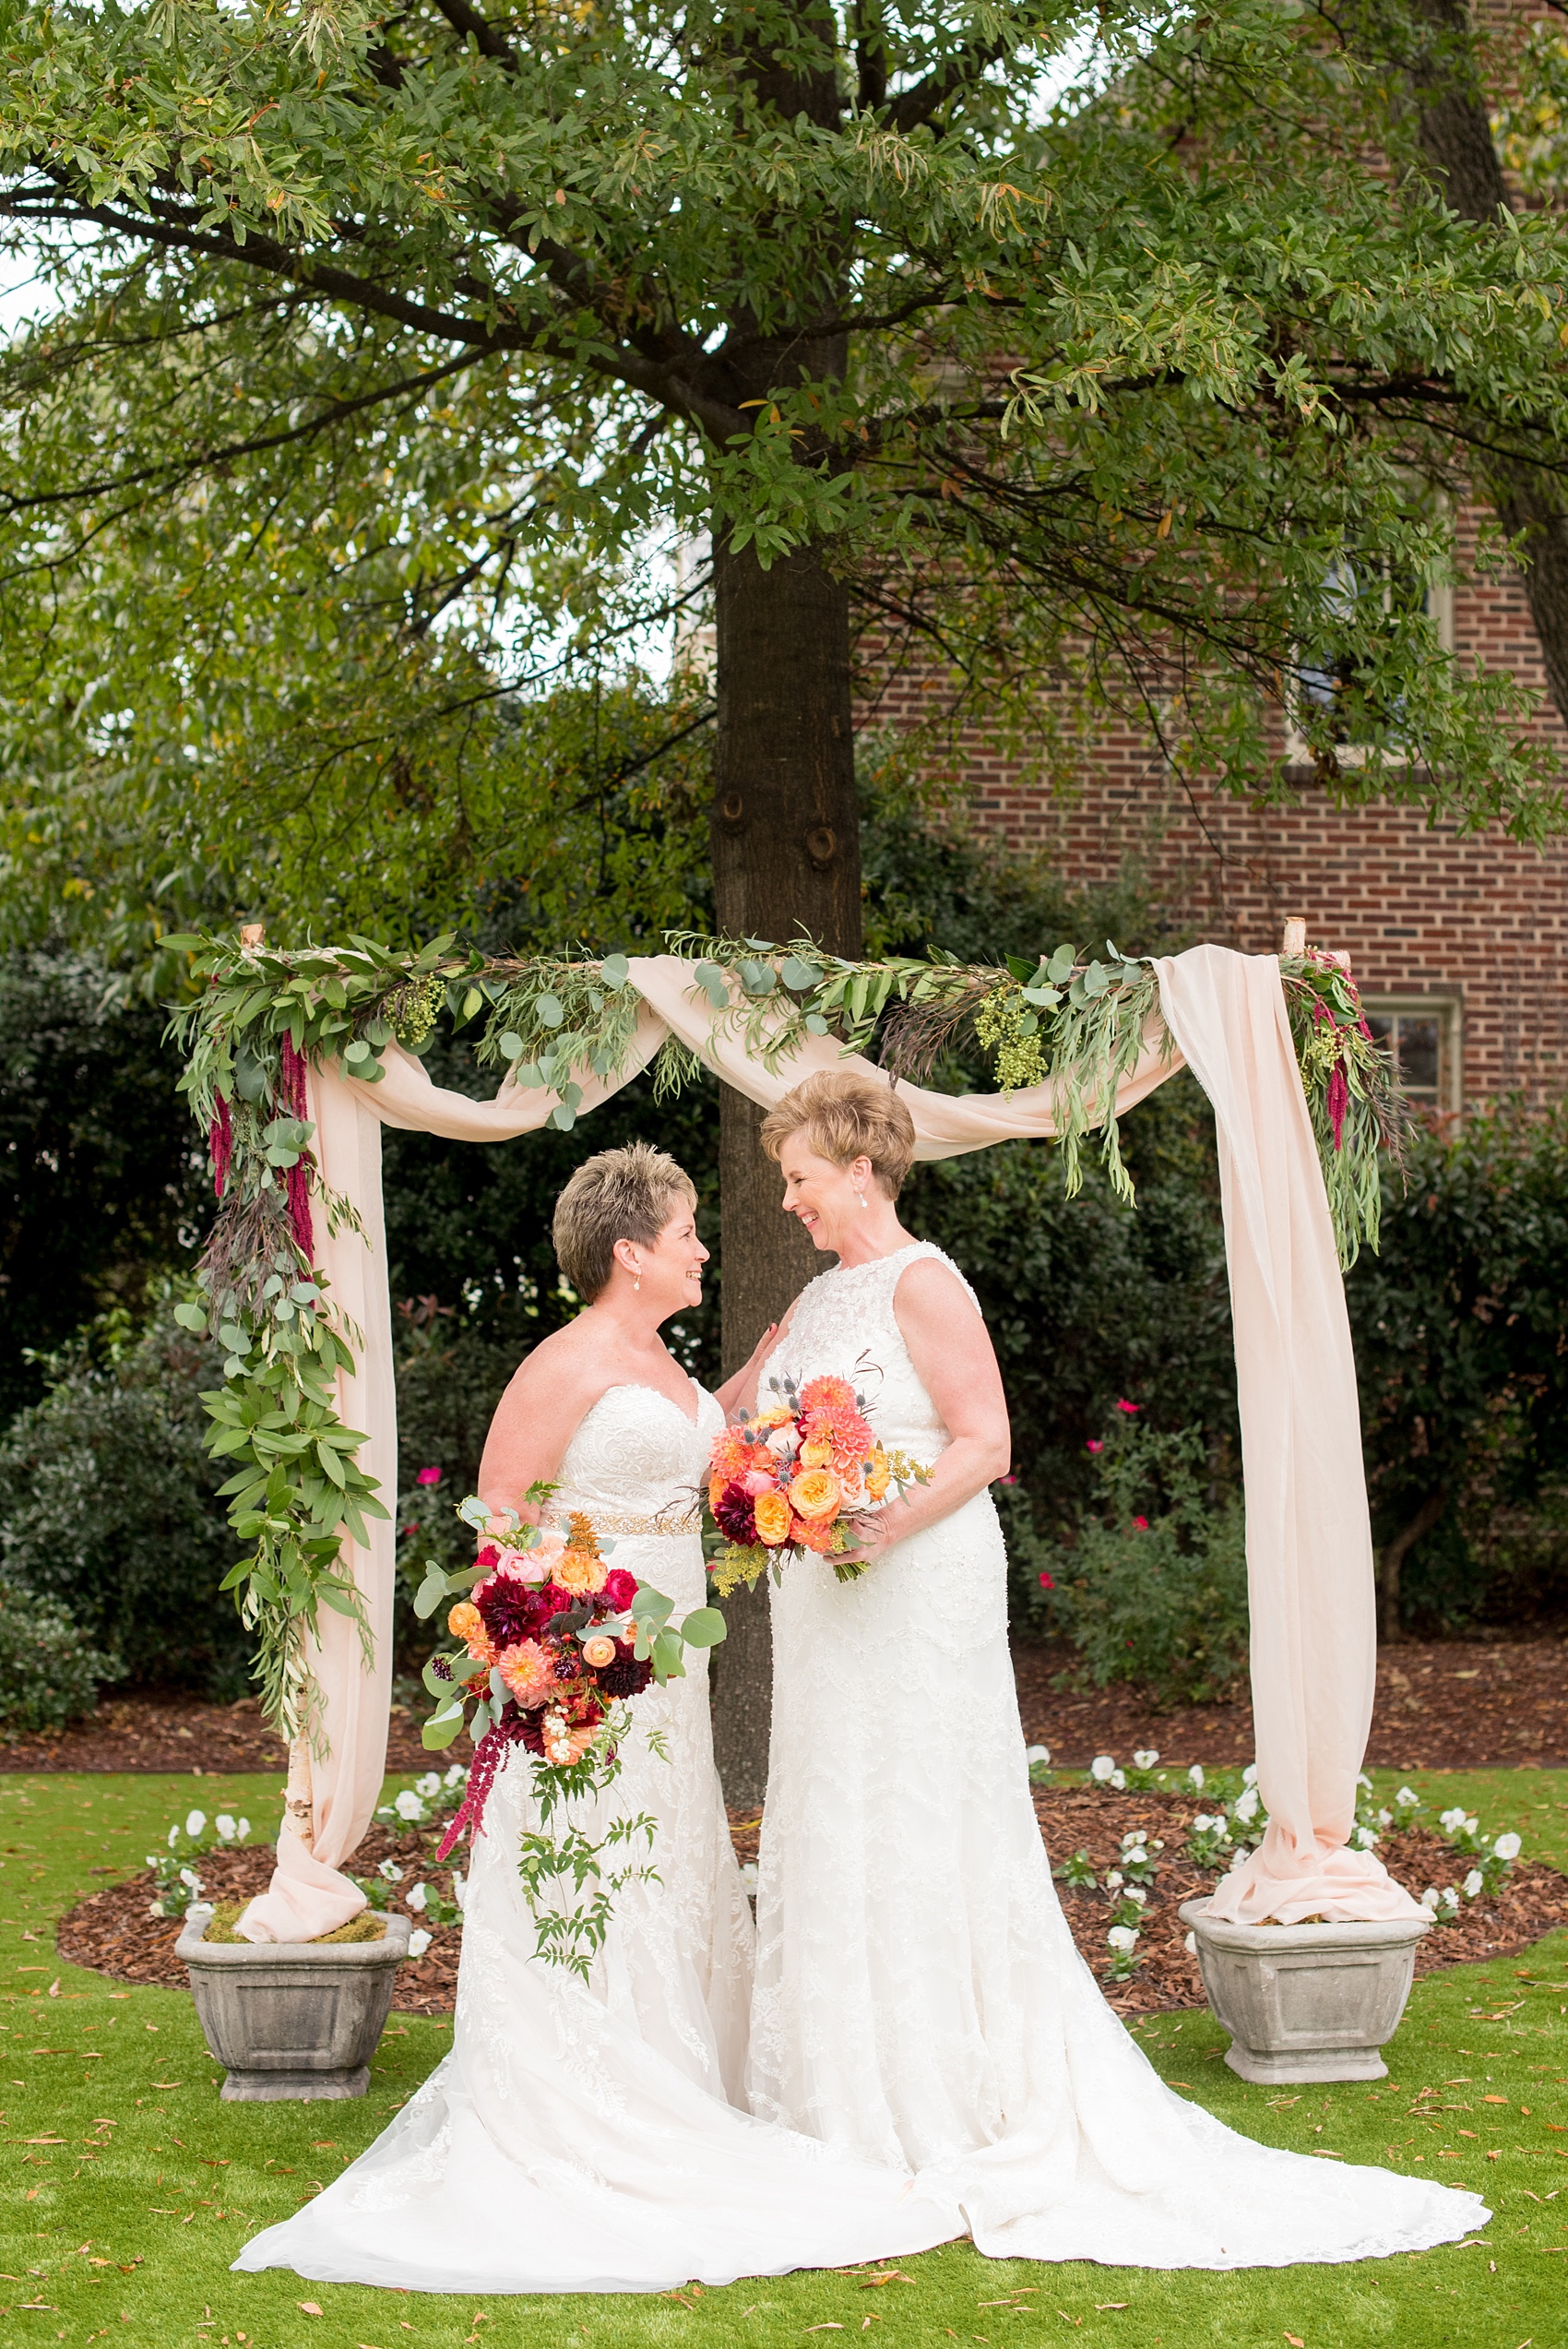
(735, 1516)
(509, 1609)
(626, 1676)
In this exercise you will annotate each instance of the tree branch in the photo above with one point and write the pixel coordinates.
(912, 107)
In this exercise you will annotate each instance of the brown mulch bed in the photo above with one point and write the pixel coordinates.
(1442, 1704)
(1533, 1901)
(176, 1732)
(111, 1932)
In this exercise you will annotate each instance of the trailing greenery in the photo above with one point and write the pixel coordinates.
(1154, 1588)
(49, 1672)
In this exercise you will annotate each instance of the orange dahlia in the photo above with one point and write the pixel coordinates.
(527, 1672)
(771, 1512)
(814, 1535)
(827, 1393)
(816, 1494)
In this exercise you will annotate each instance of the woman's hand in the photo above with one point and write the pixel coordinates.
(739, 1393)
(872, 1535)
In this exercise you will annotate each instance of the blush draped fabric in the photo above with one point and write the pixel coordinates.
(1308, 1543)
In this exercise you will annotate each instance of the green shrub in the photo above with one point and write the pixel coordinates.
(49, 1673)
(1155, 1587)
(108, 1505)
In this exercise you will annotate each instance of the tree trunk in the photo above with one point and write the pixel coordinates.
(1456, 135)
(786, 858)
(1391, 1562)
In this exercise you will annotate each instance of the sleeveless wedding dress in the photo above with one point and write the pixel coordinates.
(587, 2136)
(918, 1998)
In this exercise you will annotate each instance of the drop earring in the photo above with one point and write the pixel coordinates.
(638, 1281)
(861, 1196)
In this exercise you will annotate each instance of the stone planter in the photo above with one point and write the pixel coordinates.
(1304, 2002)
(293, 2018)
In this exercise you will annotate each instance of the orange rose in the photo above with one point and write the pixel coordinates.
(578, 1571)
(816, 1494)
(817, 1452)
(464, 1620)
(879, 1476)
(771, 1512)
(598, 1650)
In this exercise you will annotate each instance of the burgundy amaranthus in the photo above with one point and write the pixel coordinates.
(296, 1181)
(221, 1146)
(488, 1753)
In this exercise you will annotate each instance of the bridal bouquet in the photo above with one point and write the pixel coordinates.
(795, 1478)
(555, 1646)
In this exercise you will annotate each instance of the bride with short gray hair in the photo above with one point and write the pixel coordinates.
(591, 2136)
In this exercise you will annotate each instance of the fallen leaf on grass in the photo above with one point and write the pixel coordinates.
(890, 2275)
(1295, 2340)
(308, 2307)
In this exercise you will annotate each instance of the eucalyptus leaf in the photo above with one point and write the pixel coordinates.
(548, 1012)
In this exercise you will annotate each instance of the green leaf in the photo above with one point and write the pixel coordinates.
(1062, 963)
(191, 1317)
(816, 1025)
(799, 976)
(442, 1730)
(429, 1595)
(511, 1046)
(547, 1010)
(705, 1627)
(616, 971)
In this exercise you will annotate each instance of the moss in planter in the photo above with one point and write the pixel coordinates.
(227, 1913)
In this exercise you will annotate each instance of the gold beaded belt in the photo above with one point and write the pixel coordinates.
(604, 1523)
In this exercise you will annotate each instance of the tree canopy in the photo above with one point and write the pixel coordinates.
(387, 352)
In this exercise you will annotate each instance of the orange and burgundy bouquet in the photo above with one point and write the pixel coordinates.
(797, 1479)
(554, 1645)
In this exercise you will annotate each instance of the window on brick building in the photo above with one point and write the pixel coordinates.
(1322, 677)
(1422, 1034)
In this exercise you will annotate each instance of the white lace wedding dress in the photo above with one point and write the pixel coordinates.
(919, 1999)
(587, 2136)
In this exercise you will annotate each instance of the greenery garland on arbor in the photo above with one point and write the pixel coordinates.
(1071, 1020)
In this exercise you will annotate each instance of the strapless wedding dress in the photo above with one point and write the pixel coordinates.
(919, 1999)
(587, 2136)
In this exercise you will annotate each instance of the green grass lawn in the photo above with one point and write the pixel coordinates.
(131, 2186)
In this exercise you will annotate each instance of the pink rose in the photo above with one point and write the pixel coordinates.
(524, 1566)
(758, 1480)
(428, 1476)
(1130, 1409)
(1141, 1524)
(1094, 1445)
(1046, 1583)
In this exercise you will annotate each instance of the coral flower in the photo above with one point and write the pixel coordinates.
(564, 1743)
(580, 1572)
(815, 1494)
(527, 1672)
(817, 1452)
(827, 1394)
(465, 1621)
(879, 1476)
(812, 1535)
(598, 1651)
(771, 1512)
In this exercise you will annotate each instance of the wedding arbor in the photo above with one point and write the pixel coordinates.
(296, 1061)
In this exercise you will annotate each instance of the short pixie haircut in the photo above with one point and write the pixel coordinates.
(847, 1115)
(619, 1194)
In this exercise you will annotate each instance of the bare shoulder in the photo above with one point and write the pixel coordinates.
(569, 1367)
(927, 1288)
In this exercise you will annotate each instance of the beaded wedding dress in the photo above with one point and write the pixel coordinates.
(919, 1999)
(587, 2137)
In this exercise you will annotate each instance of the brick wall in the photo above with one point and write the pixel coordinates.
(1479, 921)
